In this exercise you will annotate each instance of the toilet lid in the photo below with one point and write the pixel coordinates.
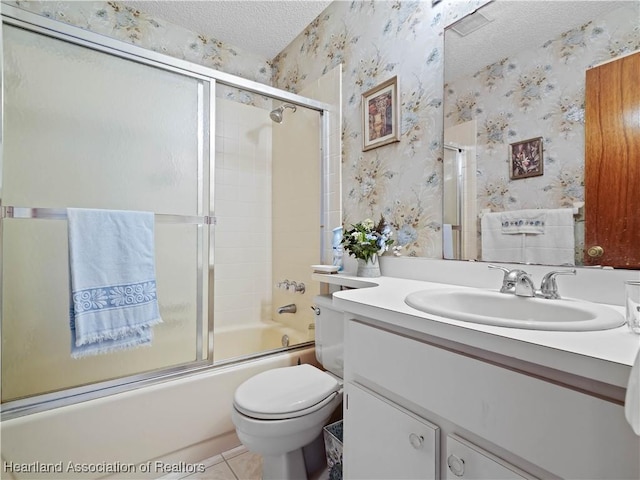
(285, 390)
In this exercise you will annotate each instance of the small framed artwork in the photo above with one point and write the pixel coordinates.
(381, 115)
(526, 158)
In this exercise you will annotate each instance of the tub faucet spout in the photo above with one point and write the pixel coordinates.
(291, 308)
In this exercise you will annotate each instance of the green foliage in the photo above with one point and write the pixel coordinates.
(365, 239)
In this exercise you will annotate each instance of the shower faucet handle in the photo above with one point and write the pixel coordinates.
(296, 287)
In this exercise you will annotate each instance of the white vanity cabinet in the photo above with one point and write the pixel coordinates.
(387, 442)
(478, 419)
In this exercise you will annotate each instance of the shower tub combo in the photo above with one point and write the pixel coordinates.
(221, 241)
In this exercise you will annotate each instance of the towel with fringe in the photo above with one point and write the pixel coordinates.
(113, 301)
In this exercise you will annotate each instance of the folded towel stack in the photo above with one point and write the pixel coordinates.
(113, 281)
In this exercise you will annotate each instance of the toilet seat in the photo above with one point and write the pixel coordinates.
(286, 392)
(286, 415)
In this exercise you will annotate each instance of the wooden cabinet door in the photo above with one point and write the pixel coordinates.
(383, 441)
(612, 163)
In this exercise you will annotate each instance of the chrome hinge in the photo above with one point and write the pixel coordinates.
(6, 212)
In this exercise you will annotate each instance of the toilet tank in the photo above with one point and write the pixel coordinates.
(329, 335)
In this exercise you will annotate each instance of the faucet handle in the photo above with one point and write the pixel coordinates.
(498, 267)
(549, 287)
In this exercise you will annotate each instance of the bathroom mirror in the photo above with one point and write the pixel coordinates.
(515, 74)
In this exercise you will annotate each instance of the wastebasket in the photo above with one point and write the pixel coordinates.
(333, 446)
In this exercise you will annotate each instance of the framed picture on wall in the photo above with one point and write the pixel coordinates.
(381, 115)
(525, 158)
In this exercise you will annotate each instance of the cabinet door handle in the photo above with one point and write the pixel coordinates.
(456, 465)
(416, 441)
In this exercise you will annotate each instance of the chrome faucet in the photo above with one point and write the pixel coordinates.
(291, 308)
(524, 285)
(518, 282)
(509, 280)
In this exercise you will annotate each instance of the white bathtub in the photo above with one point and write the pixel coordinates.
(244, 340)
(183, 420)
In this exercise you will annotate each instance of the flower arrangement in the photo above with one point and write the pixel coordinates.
(366, 239)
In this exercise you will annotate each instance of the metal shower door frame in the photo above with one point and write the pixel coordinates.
(208, 79)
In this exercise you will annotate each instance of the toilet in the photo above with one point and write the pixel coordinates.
(280, 412)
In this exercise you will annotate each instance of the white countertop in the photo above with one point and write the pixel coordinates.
(605, 356)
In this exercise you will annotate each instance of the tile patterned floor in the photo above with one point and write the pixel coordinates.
(236, 464)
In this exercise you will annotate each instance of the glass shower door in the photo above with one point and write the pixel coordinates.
(267, 191)
(83, 128)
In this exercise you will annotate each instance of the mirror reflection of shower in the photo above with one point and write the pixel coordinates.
(277, 114)
(459, 228)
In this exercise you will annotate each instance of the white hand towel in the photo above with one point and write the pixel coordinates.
(557, 245)
(632, 399)
(531, 222)
(496, 246)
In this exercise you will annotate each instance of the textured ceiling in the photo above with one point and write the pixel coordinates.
(517, 25)
(262, 27)
(266, 27)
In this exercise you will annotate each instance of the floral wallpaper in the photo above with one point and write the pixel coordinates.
(539, 93)
(376, 41)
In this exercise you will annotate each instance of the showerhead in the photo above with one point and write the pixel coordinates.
(276, 115)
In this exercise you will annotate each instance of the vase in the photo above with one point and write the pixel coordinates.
(368, 268)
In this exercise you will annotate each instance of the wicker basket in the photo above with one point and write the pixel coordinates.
(333, 446)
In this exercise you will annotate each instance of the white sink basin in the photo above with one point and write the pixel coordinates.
(507, 310)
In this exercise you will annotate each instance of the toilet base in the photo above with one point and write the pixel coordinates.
(300, 464)
(288, 465)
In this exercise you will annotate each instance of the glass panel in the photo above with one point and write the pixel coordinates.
(242, 283)
(267, 206)
(35, 311)
(85, 129)
(296, 217)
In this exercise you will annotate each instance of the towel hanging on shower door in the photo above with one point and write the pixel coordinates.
(113, 301)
